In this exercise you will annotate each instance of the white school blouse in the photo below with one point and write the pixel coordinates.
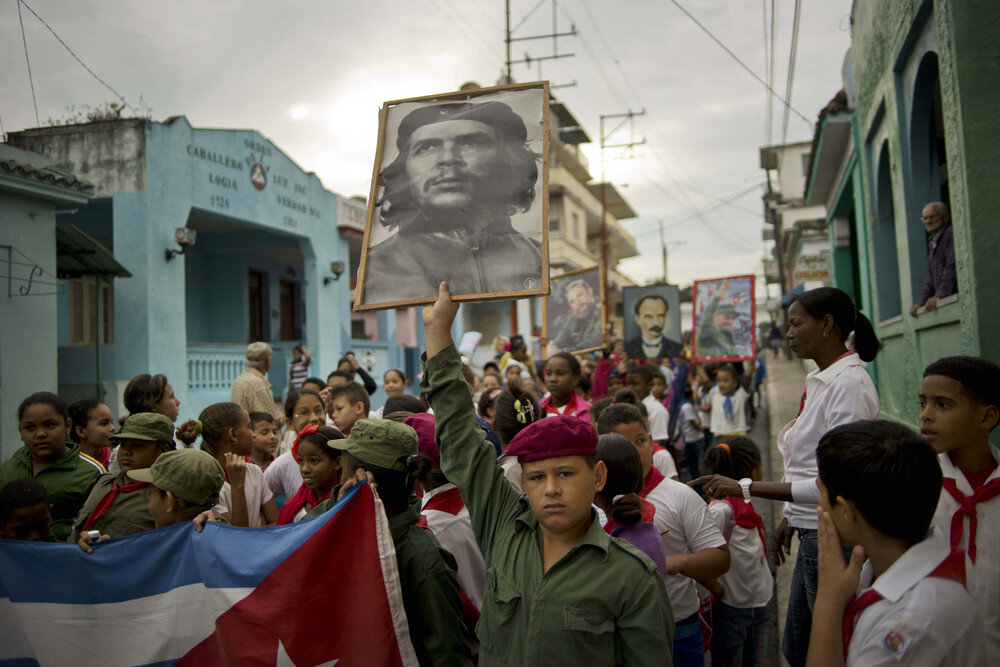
(843, 393)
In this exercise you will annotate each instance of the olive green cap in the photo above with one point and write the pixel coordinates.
(381, 443)
(192, 475)
(146, 426)
(724, 308)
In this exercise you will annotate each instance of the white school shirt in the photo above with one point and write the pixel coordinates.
(841, 394)
(922, 620)
(511, 470)
(986, 590)
(283, 476)
(257, 494)
(748, 582)
(454, 532)
(689, 413)
(664, 462)
(720, 423)
(685, 528)
(659, 418)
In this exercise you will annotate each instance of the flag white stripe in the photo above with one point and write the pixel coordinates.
(393, 587)
(133, 632)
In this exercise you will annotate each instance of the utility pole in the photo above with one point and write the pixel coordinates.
(554, 35)
(664, 245)
(626, 118)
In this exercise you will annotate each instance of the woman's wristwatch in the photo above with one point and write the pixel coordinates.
(745, 485)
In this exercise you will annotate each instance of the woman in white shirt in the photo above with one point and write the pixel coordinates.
(820, 325)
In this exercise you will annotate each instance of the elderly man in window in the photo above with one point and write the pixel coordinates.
(941, 281)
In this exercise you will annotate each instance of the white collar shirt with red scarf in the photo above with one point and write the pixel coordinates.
(921, 619)
(448, 518)
(986, 589)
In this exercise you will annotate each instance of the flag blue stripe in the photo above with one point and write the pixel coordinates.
(150, 563)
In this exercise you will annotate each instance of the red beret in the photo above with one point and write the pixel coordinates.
(559, 435)
(423, 424)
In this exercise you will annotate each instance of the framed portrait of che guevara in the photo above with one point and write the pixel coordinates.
(725, 314)
(573, 315)
(459, 194)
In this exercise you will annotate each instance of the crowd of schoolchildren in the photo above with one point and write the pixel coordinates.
(538, 511)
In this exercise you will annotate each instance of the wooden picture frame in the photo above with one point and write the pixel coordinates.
(671, 344)
(594, 277)
(421, 257)
(743, 304)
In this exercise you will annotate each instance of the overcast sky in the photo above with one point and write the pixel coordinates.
(311, 76)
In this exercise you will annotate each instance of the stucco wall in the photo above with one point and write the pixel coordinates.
(27, 323)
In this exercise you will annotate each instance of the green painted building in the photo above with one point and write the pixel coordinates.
(919, 123)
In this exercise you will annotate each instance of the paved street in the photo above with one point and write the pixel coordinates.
(781, 392)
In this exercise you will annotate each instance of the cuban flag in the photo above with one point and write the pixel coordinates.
(319, 592)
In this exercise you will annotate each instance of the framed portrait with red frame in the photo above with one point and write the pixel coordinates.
(725, 319)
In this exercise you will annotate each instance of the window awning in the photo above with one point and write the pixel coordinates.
(78, 254)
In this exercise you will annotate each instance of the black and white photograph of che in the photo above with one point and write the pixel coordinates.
(573, 314)
(652, 321)
(459, 193)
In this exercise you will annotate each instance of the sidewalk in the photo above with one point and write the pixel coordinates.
(782, 391)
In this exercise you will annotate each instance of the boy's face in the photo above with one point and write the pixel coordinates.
(949, 419)
(490, 383)
(638, 436)
(43, 432)
(136, 454)
(658, 387)
(344, 413)
(637, 383)
(158, 508)
(614, 384)
(30, 524)
(725, 381)
(561, 490)
(836, 512)
(296, 355)
(265, 436)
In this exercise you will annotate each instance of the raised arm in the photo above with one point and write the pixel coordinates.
(466, 458)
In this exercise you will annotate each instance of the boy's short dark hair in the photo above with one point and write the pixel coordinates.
(256, 417)
(404, 403)
(353, 393)
(18, 494)
(887, 471)
(980, 378)
(316, 381)
(645, 372)
(347, 375)
(616, 415)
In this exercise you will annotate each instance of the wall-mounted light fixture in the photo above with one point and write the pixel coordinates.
(337, 269)
(185, 237)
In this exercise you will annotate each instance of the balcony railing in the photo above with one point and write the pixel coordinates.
(214, 367)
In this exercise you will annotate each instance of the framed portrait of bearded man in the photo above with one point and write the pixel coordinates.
(459, 194)
(573, 315)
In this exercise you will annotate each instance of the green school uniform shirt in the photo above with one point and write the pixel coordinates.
(67, 481)
(128, 514)
(429, 586)
(603, 603)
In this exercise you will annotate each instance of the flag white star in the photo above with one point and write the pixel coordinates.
(282, 659)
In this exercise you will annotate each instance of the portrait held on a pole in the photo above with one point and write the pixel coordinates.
(652, 321)
(459, 193)
(573, 313)
(724, 319)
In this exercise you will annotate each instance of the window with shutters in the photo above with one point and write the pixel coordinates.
(83, 325)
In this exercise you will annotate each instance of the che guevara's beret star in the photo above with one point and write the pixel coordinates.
(497, 115)
(559, 435)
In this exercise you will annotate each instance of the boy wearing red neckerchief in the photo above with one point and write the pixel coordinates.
(907, 604)
(959, 407)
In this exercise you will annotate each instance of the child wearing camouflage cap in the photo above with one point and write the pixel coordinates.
(384, 452)
(185, 483)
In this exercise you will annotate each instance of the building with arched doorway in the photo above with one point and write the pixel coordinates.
(271, 245)
(919, 126)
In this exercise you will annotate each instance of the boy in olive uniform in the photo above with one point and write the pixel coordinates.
(185, 483)
(381, 451)
(559, 590)
(114, 506)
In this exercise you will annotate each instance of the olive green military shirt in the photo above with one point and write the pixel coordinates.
(429, 587)
(603, 603)
(67, 482)
(713, 341)
(128, 514)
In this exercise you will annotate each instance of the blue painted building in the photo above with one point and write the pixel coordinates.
(271, 244)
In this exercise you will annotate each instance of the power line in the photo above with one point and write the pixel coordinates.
(66, 46)
(791, 68)
(767, 73)
(741, 63)
(27, 60)
(481, 42)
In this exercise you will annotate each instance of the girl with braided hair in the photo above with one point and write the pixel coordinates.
(739, 612)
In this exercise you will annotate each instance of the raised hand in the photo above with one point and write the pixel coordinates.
(438, 319)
